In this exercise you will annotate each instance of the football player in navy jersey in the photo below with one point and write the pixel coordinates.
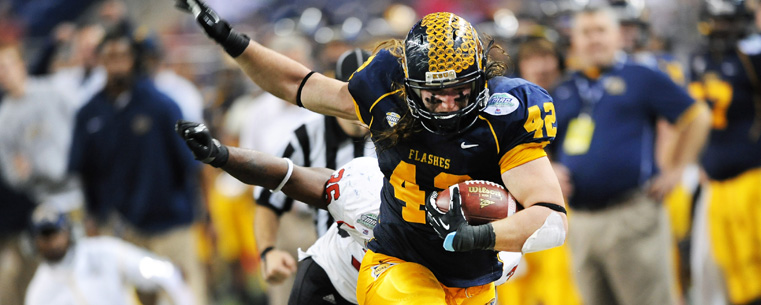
(727, 229)
(441, 114)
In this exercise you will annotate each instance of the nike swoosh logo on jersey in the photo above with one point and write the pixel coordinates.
(466, 146)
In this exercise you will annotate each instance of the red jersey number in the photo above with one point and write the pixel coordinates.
(332, 191)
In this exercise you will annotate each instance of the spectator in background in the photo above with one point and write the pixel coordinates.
(112, 15)
(180, 90)
(77, 70)
(604, 154)
(540, 62)
(34, 141)
(34, 144)
(69, 52)
(61, 36)
(139, 181)
(99, 270)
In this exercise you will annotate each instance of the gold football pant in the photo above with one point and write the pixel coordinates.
(386, 280)
(734, 224)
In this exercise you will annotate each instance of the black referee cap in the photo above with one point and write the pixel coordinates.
(350, 62)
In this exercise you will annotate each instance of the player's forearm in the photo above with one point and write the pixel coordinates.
(275, 73)
(272, 71)
(282, 77)
(256, 168)
(513, 232)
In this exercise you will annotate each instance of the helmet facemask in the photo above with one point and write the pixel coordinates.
(443, 51)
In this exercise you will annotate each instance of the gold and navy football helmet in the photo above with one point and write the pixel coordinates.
(442, 51)
(724, 23)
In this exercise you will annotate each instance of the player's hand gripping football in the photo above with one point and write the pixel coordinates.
(451, 225)
(216, 28)
(205, 148)
(447, 222)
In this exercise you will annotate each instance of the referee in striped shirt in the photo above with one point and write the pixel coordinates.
(328, 142)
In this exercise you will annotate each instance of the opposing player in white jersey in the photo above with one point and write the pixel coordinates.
(351, 194)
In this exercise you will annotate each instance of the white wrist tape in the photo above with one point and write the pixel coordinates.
(287, 176)
(551, 234)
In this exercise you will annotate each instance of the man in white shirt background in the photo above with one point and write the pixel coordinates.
(100, 270)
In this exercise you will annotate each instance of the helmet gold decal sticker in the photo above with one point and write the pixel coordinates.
(442, 55)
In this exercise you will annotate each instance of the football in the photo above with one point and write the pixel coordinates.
(481, 201)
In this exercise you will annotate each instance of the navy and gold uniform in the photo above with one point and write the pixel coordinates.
(728, 87)
(517, 123)
(732, 161)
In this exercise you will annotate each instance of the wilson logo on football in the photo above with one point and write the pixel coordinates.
(484, 191)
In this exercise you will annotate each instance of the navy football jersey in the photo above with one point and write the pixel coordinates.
(728, 88)
(514, 128)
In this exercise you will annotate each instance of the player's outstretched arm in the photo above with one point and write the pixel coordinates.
(305, 184)
(256, 168)
(274, 72)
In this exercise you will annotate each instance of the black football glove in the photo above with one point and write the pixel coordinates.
(205, 148)
(451, 226)
(216, 28)
(445, 223)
